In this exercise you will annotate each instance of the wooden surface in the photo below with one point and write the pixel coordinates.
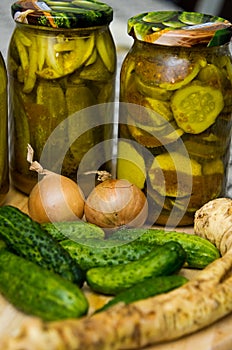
(216, 337)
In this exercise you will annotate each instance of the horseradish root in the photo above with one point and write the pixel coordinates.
(200, 302)
(214, 222)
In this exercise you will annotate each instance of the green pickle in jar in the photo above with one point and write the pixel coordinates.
(4, 166)
(61, 60)
(176, 111)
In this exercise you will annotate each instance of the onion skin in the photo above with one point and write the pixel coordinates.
(56, 198)
(115, 203)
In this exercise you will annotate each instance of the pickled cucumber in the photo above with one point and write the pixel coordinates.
(96, 71)
(127, 76)
(22, 135)
(153, 113)
(50, 110)
(169, 73)
(152, 136)
(65, 57)
(79, 97)
(213, 76)
(152, 90)
(191, 71)
(30, 75)
(204, 151)
(130, 164)
(54, 74)
(184, 89)
(213, 167)
(176, 186)
(171, 174)
(4, 185)
(196, 107)
(143, 137)
(103, 44)
(162, 109)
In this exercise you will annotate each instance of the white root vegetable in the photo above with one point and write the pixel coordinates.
(214, 222)
(199, 303)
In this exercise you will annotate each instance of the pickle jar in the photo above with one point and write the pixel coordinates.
(61, 60)
(4, 165)
(175, 112)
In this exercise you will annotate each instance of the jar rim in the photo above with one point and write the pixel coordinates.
(62, 14)
(180, 28)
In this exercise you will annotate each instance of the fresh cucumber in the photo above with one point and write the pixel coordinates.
(161, 261)
(37, 291)
(148, 288)
(2, 244)
(74, 230)
(26, 238)
(200, 252)
(96, 253)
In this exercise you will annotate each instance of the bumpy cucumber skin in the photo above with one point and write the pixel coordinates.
(99, 253)
(200, 252)
(39, 292)
(161, 261)
(148, 288)
(26, 238)
(73, 230)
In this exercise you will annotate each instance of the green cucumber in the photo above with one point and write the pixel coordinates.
(148, 288)
(200, 252)
(39, 292)
(2, 244)
(95, 252)
(161, 261)
(26, 238)
(74, 230)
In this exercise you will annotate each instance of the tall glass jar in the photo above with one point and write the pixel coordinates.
(176, 109)
(4, 166)
(61, 60)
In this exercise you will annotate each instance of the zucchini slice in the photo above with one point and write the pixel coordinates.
(196, 107)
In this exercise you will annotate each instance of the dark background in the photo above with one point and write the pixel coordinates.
(190, 5)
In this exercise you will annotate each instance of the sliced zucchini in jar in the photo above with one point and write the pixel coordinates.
(163, 112)
(213, 76)
(149, 112)
(182, 73)
(171, 174)
(204, 151)
(143, 137)
(130, 164)
(169, 72)
(152, 91)
(214, 167)
(154, 136)
(196, 107)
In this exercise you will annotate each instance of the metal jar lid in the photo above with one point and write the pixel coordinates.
(62, 14)
(176, 28)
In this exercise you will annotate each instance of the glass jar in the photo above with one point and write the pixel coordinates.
(4, 166)
(176, 108)
(61, 60)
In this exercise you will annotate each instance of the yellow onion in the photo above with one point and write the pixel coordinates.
(55, 197)
(115, 203)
